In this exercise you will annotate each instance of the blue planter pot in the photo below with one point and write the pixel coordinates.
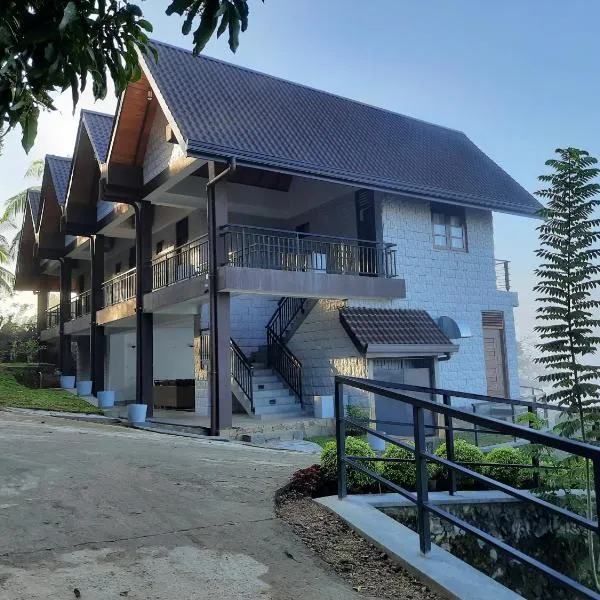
(106, 399)
(136, 413)
(84, 388)
(67, 382)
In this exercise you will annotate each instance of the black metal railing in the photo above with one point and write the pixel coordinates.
(119, 288)
(284, 250)
(285, 314)
(242, 371)
(81, 305)
(283, 360)
(53, 316)
(502, 274)
(186, 262)
(425, 508)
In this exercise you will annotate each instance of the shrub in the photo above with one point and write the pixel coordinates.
(357, 480)
(403, 474)
(304, 482)
(463, 453)
(505, 456)
(358, 413)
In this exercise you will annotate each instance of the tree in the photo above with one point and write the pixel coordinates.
(15, 205)
(54, 45)
(567, 279)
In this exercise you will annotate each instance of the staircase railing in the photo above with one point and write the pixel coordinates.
(119, 288)
(242, 371)
(81, 305)
(283, 360)
(279, 356)
(283, 317)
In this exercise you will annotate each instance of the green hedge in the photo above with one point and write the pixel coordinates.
(463, 453)
(513, 476)
(357, 480)
(403, 474)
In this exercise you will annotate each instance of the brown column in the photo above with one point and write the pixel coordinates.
(220, 366)
(42, 307)
(97, 349)
(146, 321)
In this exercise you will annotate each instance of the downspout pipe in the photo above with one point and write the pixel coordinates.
(213, 270)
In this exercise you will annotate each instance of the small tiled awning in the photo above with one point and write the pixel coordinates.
(388, 332)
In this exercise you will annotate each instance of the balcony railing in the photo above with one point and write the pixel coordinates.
(119, 288)
(502, 275)
(81, 305)
(53, 316)
(293, 251)
(185, 262)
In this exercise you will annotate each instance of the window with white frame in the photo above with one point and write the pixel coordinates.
(449, 228)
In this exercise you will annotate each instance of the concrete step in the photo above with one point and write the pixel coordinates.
(267, 385)
(266, 379)
(263, 372)
(280, 393)
(279, 409)
(288, 401)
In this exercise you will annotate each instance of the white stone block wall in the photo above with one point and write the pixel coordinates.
(159, 152)
(325, 350)
(458, 284)
(248, 319)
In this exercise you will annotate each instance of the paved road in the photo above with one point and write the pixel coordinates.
(118, 513)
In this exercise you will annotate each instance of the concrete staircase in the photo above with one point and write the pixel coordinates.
(272, 397)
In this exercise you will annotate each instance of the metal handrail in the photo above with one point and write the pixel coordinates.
(119, 288)
(502, 274)
(421, 499)
(53, 316)
(288, 309)
(285, 362)
(286, 250)
(81, 305)
(179, 264)
(242, 371)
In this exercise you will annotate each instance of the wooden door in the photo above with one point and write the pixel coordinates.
(495, 373)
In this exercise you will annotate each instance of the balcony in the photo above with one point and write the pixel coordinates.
(180, 264)
(53, 317)
(283, 250)
(81, 305)
(289, 263)
(502, 275)
(120, 288)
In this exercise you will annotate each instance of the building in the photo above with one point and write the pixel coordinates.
(290, 233)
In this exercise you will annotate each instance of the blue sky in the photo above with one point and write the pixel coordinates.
(519, 78)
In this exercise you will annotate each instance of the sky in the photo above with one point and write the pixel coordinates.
(519, 78)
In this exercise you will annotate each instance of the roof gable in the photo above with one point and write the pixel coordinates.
(60, 171)
(223, 110)
(33, 198)
(99, 128)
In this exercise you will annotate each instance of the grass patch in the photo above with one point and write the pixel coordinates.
(323, 439)
(12, 393)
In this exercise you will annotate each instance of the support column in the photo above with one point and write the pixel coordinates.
(145, 321)
(42, 307)
(97, 342)
(66, 363)
(220, 362)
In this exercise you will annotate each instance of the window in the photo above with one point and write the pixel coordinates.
(132, 257)
(117, 268)
(181, 232)
(449, 228)
(159, 246)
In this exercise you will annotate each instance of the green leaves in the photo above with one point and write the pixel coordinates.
(29, 127)
(69, 15)
(568, 279)
(231, 15)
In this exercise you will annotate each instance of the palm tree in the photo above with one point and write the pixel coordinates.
(15, 205)
(6, 277)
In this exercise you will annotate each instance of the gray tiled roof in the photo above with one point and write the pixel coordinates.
(391, 326)
(60, 171)
(99, 128)
(224, 110)
(33, 197)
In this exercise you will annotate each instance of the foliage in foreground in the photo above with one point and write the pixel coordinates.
(357, 480)
(13, 394)
(55, 45)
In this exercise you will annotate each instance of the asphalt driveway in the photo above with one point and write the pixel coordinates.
(118, 513)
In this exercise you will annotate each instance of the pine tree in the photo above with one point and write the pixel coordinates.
(567, 280)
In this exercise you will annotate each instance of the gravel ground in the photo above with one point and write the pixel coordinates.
(368, 570)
